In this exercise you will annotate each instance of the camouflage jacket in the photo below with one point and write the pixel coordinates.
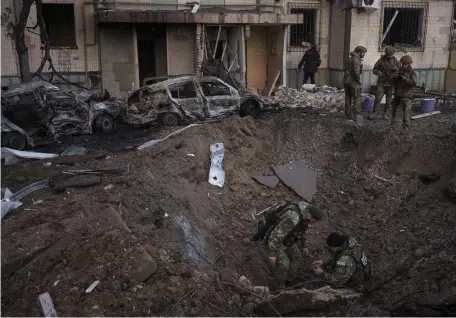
(353, 71)
(290, 228)
(404, 81)
(385, 68)
(346, 266)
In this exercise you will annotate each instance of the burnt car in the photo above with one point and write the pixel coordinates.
(39, 112)
(187, 99)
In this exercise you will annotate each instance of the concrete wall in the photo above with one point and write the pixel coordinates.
(337, 38)
(71, 62)
(117, 60)
(181, 48)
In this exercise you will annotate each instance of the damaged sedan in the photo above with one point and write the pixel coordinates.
(38, 112)
(188, 99)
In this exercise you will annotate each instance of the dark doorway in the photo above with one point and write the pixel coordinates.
(151, 51)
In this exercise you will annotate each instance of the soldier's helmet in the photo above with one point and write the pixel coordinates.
(390, 50)
(315, 212)
(406, 59)
(360, 49)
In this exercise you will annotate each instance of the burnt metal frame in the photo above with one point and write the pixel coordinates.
(405, 5)
(305, 6)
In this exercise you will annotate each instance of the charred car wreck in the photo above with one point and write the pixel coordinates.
(188, 99)
(39, 112)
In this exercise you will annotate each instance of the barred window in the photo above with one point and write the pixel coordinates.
(404, 25)
(303, 32)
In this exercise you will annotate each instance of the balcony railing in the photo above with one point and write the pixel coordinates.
(205, 5)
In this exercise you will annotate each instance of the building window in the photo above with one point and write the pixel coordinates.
(453, 30)
(404, 25)
(305, 32)
(59, 20)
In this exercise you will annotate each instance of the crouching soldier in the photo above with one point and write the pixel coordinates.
(283, 232)
(348, 265)
(404, 81)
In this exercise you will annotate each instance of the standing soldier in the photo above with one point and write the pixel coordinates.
(385, 67)
(404, 82)
(284, 233)
(352, 82)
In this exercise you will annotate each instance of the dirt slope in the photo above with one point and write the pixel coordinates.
(190, 229)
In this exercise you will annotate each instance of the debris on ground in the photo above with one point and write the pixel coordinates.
(12, 201)
(216, 173)
(304, 300)
(47, 305)
(269, 181)
(328, 98)
(62, 182)
(298, 177)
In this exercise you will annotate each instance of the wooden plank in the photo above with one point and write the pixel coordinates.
(274, 83)
(426, 115)
(47, 305)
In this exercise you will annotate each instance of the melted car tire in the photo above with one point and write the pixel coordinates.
(104, 123)
(249, 108)
(169, 119)
(14, 140)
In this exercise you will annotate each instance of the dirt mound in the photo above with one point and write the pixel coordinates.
(161, 239)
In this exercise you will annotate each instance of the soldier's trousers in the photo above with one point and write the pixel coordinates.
(352, 100)
(402, 110)
(381, 91)
(288, 264)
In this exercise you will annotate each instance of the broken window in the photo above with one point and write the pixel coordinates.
(59, 20)
(404, 25)
(182, 90)
(303, 32)
(214, 89)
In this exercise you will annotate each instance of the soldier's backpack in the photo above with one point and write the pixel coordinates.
(271, 218)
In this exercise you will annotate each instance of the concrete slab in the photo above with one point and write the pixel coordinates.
(269, 181)
(299, 178)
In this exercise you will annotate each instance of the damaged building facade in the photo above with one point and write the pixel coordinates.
(259, 41)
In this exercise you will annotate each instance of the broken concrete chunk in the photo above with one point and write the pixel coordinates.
(296, 301)
(61, 183)
(269, 181)
(229, 276)
(47, 306)
(299, 178)
(147, 268)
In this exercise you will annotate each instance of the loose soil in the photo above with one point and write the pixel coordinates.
(187, 233)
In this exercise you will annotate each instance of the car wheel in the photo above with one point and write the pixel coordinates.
(104, 123)
(169, 119)
(14, 141)
(249, 108)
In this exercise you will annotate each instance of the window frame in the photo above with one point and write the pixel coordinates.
(201, 81)
(75, 44)
(304, 6)
(424, 6)
(177, 84)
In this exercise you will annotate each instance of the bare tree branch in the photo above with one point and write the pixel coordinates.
(44, 36)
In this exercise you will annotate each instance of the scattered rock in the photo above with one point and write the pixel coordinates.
(419, 253)
(249, 308)
(147, 268)
(245, 283)
(229, 276)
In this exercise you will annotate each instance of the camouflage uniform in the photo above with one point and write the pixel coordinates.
(352, 83)
(403, 82)
(385, 67)
(283, 242)
(345, 267)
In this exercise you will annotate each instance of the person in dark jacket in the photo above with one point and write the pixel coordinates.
(311, 61)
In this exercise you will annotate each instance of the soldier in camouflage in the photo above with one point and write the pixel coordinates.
(285, 255)
(348, 265)
(385, 67)
(404, 81)
(352, 82)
